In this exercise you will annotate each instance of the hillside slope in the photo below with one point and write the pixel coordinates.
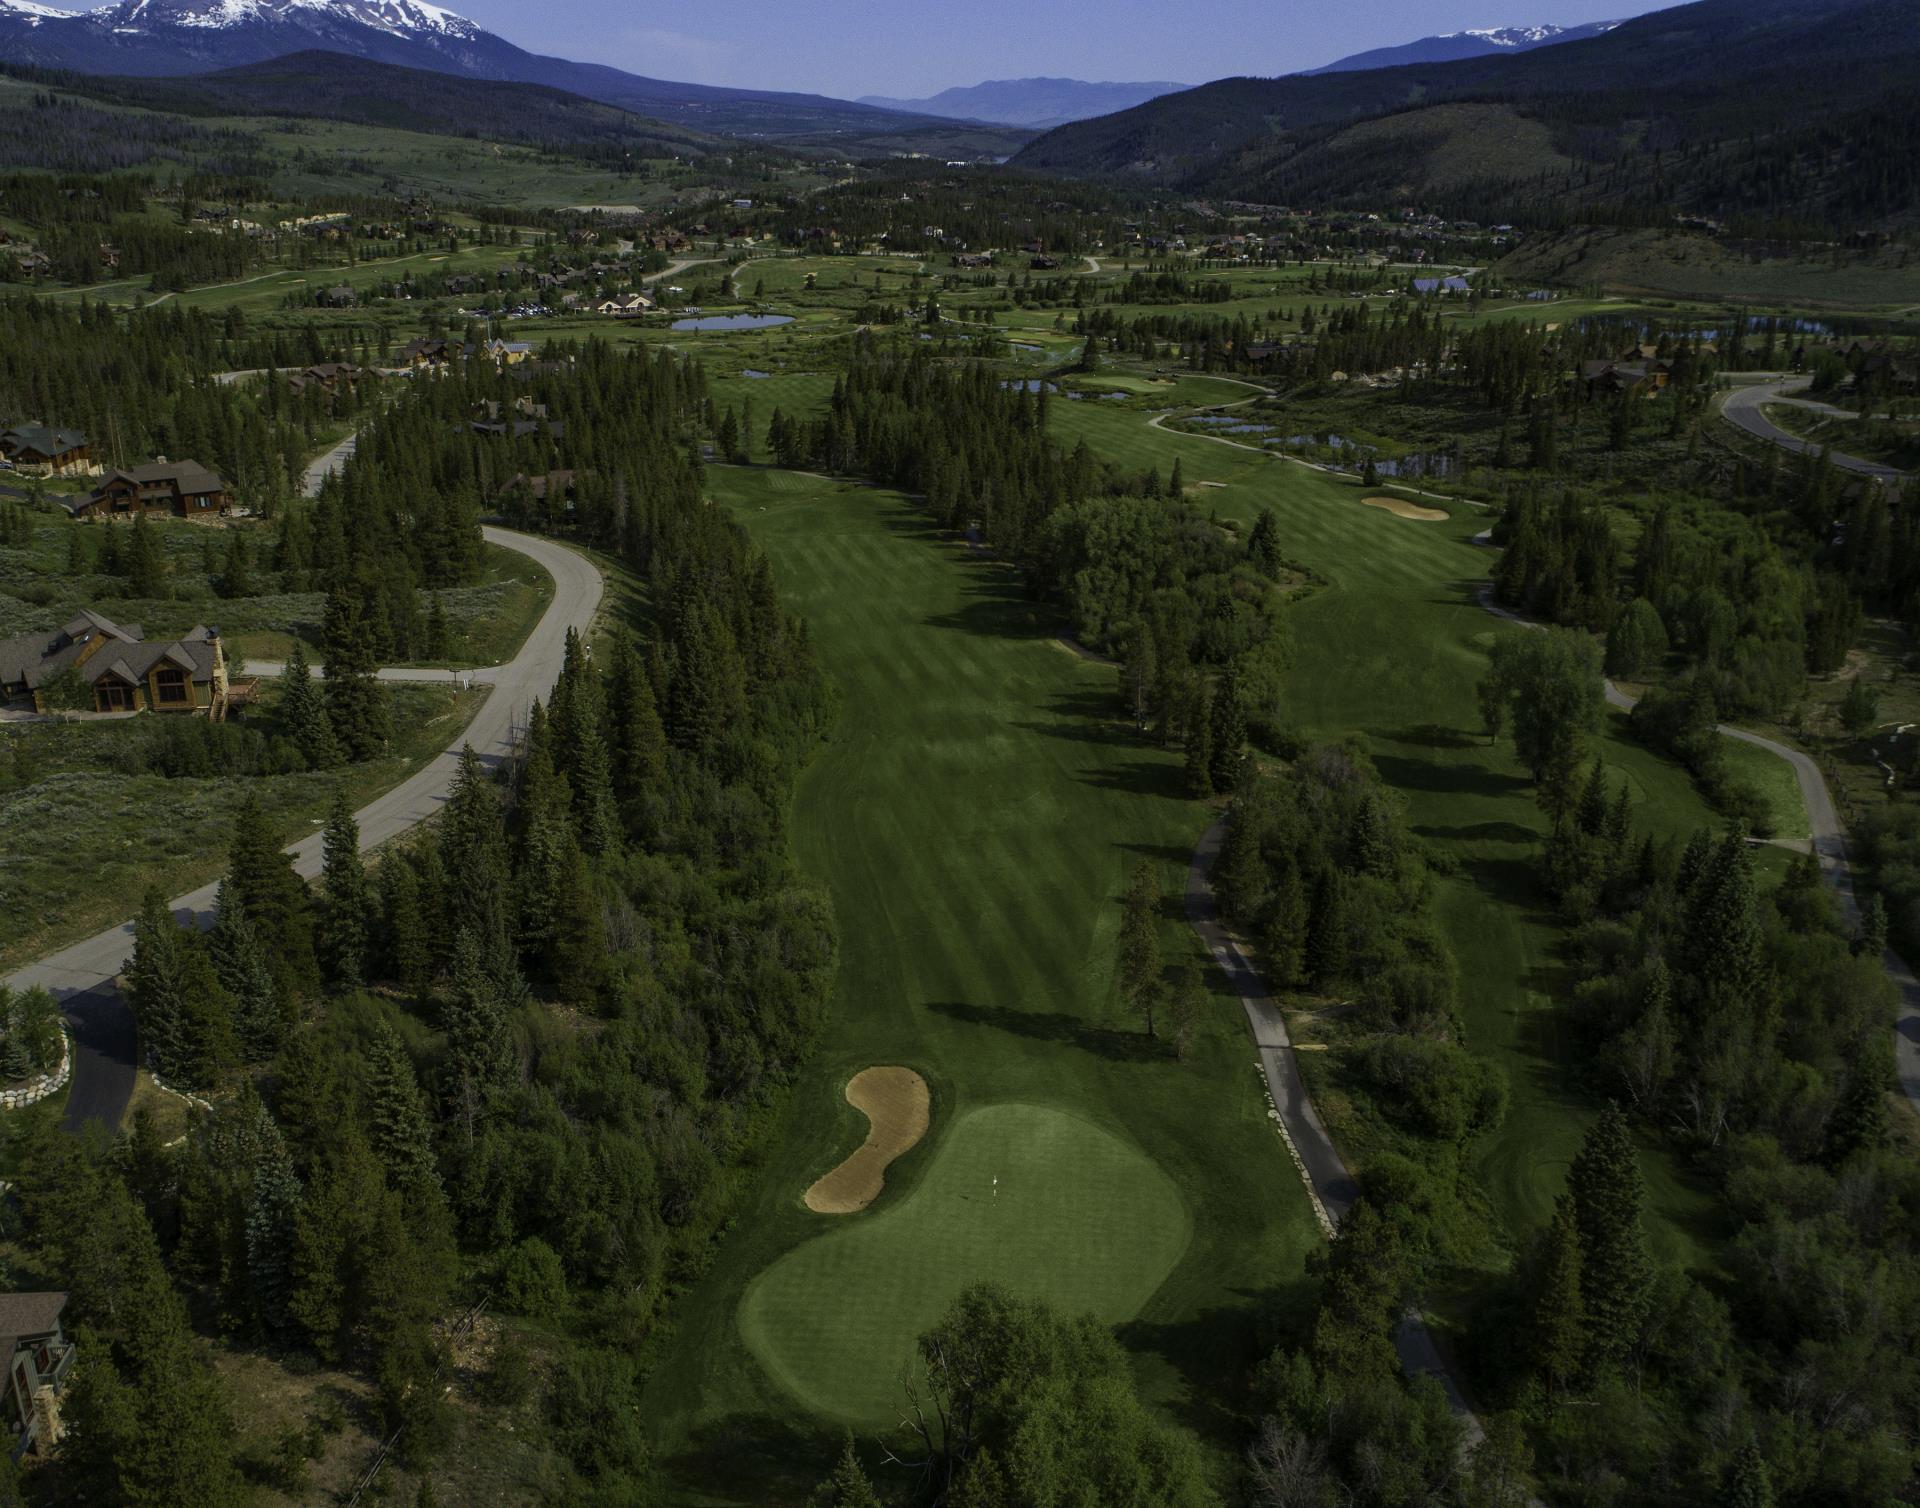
(336, 86)
(171, 38)
(1772, 108)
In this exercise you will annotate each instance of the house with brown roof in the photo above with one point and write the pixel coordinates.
(126, 672)
(48, 452)
(328, 376)
(39, 1357)
(178, 489)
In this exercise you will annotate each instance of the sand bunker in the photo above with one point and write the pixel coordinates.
(895, 1102)
(1401, 508)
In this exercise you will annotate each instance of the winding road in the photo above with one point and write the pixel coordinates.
(82, 977)
(1744, 408)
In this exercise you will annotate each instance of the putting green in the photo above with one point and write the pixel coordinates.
(1079, 1217)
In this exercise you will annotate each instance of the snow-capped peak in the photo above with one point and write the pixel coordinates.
(397, 17)
(34, 12)
(1527, 36)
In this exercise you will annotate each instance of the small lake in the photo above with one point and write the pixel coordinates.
(734, 322)
(1031, 385)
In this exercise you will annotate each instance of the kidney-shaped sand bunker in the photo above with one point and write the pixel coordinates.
(895, 1103)
(1399, 507)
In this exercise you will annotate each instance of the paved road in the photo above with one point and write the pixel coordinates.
(1743, 410)
(1329, 1185)
(1829, 842)
(427, 675)
(324, 467)
(82, 976)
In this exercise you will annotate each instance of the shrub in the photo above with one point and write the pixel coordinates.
(533, 1282)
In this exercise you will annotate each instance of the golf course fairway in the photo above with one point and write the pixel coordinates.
(1034, 1198)
(973, 817)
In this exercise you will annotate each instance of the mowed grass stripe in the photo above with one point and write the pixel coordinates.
(973, 827)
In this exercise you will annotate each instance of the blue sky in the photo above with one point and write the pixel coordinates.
(916, 47)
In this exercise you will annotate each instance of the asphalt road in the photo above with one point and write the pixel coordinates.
(1742, 409)
(82, 977)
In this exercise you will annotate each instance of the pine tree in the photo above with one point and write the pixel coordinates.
(1749, 1484)
(1227, 738)
(406, 956)
(1591, 813)
(273, 1207)
(1872, 941)
(146, 561)
(439, 632)
(259, 1011)
(304, 713)
(1263, 544)
(185, 1017)
(478, 1052)
(357, 704)
(1199, 763)
(275, 901)
(638, 740)
(1139, 970)
(1188, 1005)
(236, 571)
(848, 1486)
(346, 901)
(580, 746)
(1559, 1320)
(1327, 942)
(1617, 1273)
(473, 848)
(400, 1130)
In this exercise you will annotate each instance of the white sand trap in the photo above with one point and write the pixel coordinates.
(896, 1105)
(1399, 507)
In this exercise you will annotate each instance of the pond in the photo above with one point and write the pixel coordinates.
(1031, 385)
(734, 322)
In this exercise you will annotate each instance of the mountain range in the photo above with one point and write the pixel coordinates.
(1038, 103)
(1765, 111)
(164, 38)
(1451, 47)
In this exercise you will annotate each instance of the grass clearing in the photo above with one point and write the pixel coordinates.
(118, 833)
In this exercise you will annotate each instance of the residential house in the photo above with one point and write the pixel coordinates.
(48, 452)
(425, 352)
(1637, 379)
(179, 489)
(126, 672)
(39, 1356)
(507, 353)
(557, 485)
(340, 296)
(494, 409)
(328, 376)
(626, 306)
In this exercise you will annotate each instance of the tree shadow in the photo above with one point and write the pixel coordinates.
(1433, 736)
(1216, 1350)
(1058, 1026)
(1482, 832)
(755, 1458)
(1140, 777)
(1449, 779)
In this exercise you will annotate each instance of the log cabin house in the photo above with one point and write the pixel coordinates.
(173, 489)
(126, 672)
(39, 1357)
(45, 451)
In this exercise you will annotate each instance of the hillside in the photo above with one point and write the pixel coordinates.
(335, 86)
(1455, 45)
(174, 38)
(1725, 107)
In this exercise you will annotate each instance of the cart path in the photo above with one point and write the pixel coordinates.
(82, 977)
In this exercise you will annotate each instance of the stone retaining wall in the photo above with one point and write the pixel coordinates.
(37, 1089)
